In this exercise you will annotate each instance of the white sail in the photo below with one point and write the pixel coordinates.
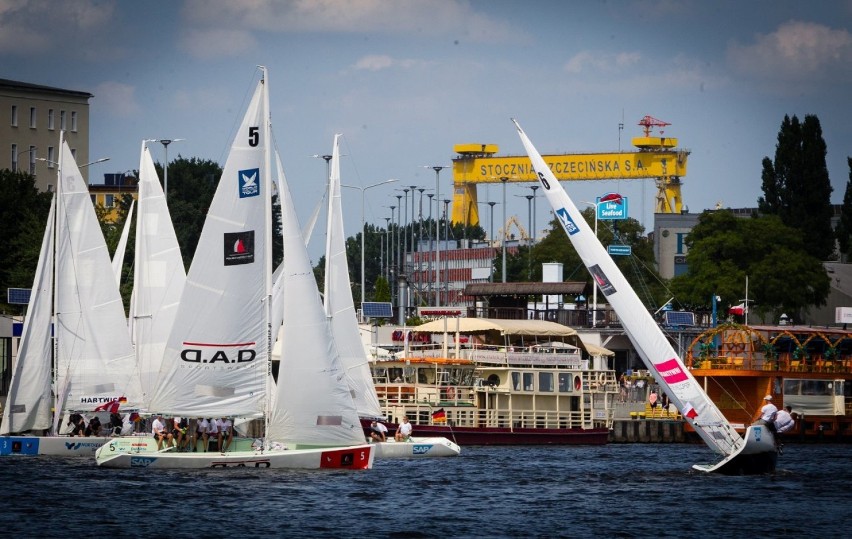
(95, 362)
(216, 359)
(339, 305)
(29, 400)
(640, 326)
(158, 275)
(118, 256)
(313, 404)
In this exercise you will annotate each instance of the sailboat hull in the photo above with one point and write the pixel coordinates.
(758, 455)
(343, 458)
(57, 446)
(418, 447)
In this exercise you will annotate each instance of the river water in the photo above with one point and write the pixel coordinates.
(617, 490)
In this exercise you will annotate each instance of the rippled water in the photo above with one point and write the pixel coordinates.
(611, 491)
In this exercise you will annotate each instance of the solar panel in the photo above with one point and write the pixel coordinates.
(680, 318)
(19, 296)
(376, 309)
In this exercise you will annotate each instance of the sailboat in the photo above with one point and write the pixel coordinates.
(340, 311)
(90, 352)
(217, 361)
(753, 454)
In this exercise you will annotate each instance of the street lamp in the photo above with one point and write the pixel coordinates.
(32, 151)
(165, 142)
(363, 225)
(594, 283)
(532, 232)
(437, 169)
(431, 237)
(446, 238)
(386, 254)
(504, 179)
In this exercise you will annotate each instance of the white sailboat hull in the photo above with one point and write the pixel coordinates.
(758, 455)
(57, 446)
(347, 458)
(425, 447)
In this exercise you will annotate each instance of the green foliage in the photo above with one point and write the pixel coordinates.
(844, 227)
(724, 249)
(796, 185)
(23, 215)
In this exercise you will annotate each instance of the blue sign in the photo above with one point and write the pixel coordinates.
(619, 250)
(611, 206)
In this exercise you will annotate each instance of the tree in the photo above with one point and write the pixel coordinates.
(844, 227)
(23, 215)
(796, 185)
(724, 249)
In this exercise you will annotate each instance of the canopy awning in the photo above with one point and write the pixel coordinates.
(538, 328)
(595, 350)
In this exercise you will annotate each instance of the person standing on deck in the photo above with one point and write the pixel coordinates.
(652, 399)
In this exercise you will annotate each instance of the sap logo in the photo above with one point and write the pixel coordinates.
(248, 181)
(141, 462)
(420, 449)
(194, 355)
(567, 223)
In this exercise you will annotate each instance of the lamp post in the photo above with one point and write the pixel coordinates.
(363, 224)
(399, 262)
(32, 151)
(386, 254)
(437, 169)
(532, 232)
(594, 283)
(446, 238)
(391, 250)
(165, 142)
(504, 179)
(431, 237)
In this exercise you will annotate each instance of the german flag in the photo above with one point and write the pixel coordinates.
(439, 416)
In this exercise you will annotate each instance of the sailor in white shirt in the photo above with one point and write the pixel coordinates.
(226, 433)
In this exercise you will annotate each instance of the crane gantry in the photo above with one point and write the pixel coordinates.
(657, 158)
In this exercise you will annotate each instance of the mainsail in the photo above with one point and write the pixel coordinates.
(216, 359)
(29, 400)
(313, 404)
(95, 362)
(158, 275)
(118, 255)
(339, 305)
(640, 326)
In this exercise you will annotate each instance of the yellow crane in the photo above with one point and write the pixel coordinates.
(657, 158)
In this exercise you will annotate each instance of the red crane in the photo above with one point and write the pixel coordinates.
(649, 121)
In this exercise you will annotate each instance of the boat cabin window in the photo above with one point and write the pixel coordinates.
(399, 375)
(529, 380)
(545, 381)
(564, 382)
(493, 380)
(425, 376)
(516, 380)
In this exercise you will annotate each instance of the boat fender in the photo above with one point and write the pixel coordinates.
(602, 378)
(451, 393)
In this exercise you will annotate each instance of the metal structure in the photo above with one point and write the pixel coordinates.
(657, 158)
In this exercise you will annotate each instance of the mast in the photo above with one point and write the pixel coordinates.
(57, 412)
(267, 274)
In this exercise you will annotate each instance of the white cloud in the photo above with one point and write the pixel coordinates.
(796, 51)
(378, 62)
(117, 99)
(34, 26)
(601, 61)
(454, 19)
(216, 43)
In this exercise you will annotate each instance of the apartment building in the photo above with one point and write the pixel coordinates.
(31, 118)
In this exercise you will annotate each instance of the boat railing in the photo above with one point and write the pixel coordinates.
(757, 361)
(443, 395)
(421, 414)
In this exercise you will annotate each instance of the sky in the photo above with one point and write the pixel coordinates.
(406, 80)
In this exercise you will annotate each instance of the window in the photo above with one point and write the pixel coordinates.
(74, 121)
(14, 158)
(564, 382)
(545, 381)
(51, 158)
(516, 381)
(32, 117)
(32, 159)
(529, 380)
(62, 120)
(109, 201)
(50, 123)
(14, 115)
